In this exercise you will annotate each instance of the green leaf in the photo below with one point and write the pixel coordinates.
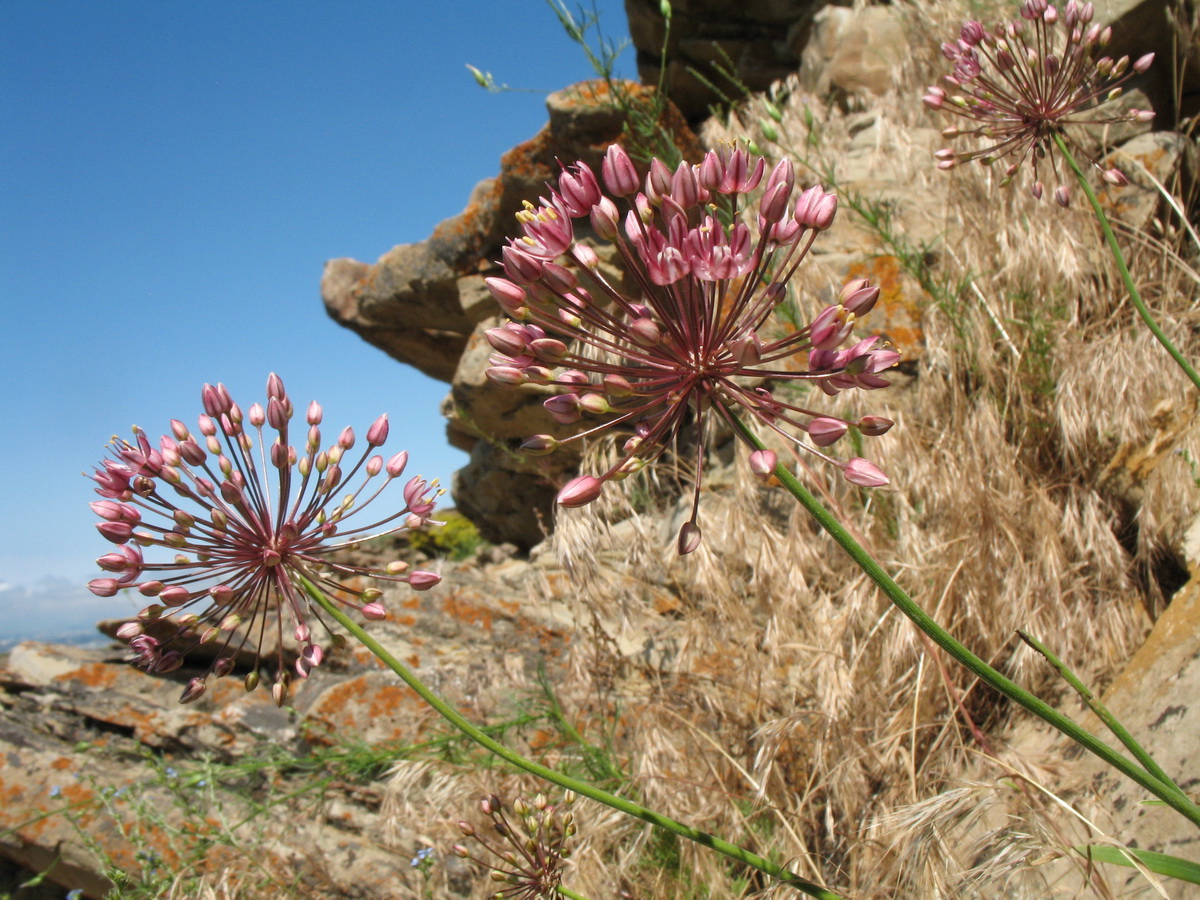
(1159, 863)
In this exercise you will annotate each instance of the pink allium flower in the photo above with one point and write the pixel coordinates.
(1027, 80)
(693, 339)
(245, 518)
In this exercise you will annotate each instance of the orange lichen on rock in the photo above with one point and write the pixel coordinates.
(464, 610)
(897, 313)
(92, 675)
(369, 699)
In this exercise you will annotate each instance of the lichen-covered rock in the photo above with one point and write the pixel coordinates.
(76, 725)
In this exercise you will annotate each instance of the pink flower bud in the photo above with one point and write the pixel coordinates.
(396, 464)
(606, 219)
(874, 426)
(539, 445)
(548, 350)
(972, 33)
(689, 538)
(864, 473)
(859, 297)
(117, 532)
(658, 180)
(578, 189)
(825, 431)
(174, 595)
(194, 691)
(815, 208)
(564, 408)
(505, 376)
(645, 333)
(618, 171)
(579, 491)
(423, 581)
(520, 266)
(104, 587)
(211, 399)
(762, 464)
(376, 612)
(510, 296)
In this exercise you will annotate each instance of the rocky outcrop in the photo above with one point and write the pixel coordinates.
(79, 790)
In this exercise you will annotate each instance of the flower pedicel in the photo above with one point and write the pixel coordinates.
(250, 521)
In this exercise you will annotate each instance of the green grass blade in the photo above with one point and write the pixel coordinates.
(1158, 863)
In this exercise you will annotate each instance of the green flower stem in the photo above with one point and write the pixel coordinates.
(1134, 294)
(1164, 791)
(1102, 712)
(620, 804)
(569, 894)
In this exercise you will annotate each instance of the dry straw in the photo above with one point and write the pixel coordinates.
(780, 700)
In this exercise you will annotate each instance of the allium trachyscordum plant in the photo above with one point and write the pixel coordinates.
(533, 868)
(247, 517)
(692, 340)
(1027, 80)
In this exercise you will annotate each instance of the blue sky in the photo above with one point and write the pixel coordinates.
(173, 177)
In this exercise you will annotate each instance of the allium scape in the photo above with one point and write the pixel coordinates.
(252, 523)
(1018, 86)
(693, 339)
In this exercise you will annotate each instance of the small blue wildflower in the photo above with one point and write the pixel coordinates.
(171, 773)
(56, 791)
(423, 854)
(76, 894)
(201, 783)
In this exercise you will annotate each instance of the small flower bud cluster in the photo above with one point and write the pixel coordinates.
(1022, 83)
(687, 343)
(528, 865)
(248, 524)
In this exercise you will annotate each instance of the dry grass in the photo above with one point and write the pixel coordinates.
(779, 700)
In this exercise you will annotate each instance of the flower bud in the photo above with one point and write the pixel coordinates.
(579, 491)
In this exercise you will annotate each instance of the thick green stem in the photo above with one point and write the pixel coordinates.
(1166, 792)
(1111, 238)
(620, 804)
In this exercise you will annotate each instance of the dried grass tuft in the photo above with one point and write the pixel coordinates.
(1042, 449)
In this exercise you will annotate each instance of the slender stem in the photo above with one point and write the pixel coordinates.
(1164, 791)
(1102, 712)
(455, 718)
(569, 894)
(1134, 294)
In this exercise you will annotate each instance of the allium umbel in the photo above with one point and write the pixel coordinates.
(531, 866)
(248, 519)
(1027, 80)
(693, 339)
